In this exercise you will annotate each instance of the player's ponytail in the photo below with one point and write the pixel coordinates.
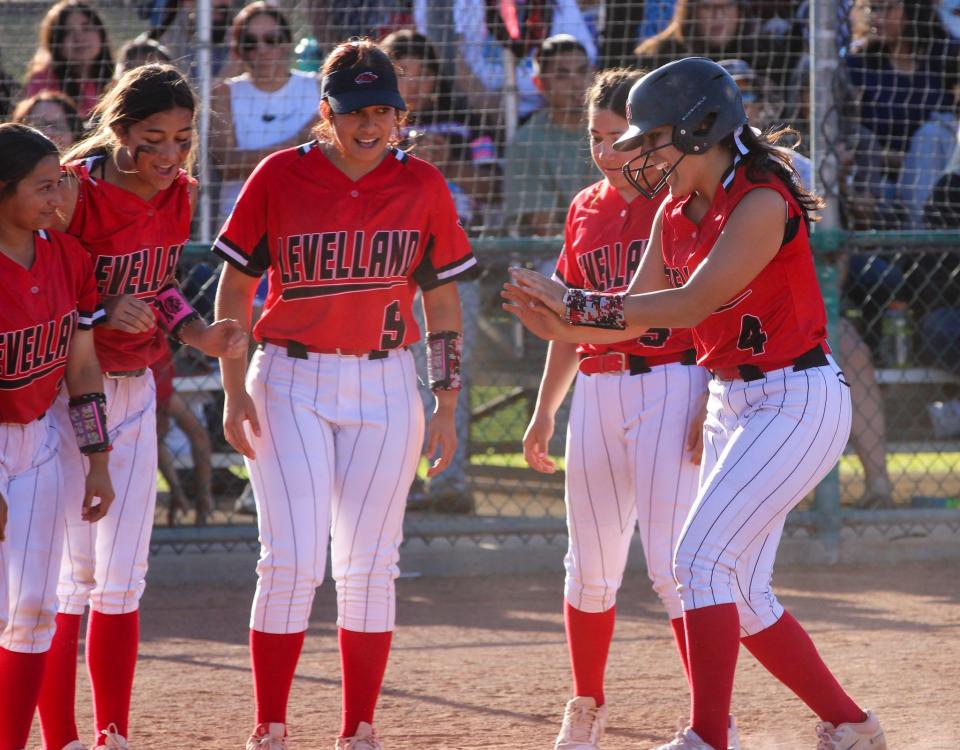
(769, 153)
(139, 94)
(21, 149)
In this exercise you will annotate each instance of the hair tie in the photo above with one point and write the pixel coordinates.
(741, 146)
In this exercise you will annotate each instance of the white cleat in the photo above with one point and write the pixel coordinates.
(686, 740)
(75, 745)
(271, 736)
(583, 725)
(866, 735)
(733, 736)
(364, 739)
(115, 740)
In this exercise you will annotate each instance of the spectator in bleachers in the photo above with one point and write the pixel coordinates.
(548, 161)
(176, 29)
(267, 108)
(442, 129)
(335, 21)
(718, 29)
(8, 93)
(482, 34)
(896, 69)
(73, 55)
(141, 50)
(54, 114)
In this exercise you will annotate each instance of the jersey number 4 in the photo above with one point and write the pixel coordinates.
(394, 326)
(752, 336)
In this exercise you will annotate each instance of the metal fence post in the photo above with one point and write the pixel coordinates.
(824, 132)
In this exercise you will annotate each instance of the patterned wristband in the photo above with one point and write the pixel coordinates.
(173, 311)
(594, 309)
(88, 415)
(444, 360)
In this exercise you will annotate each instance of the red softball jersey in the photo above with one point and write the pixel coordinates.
(604, 240)
(135, 245)
(777, 316)
(344, 257)
(40, 308)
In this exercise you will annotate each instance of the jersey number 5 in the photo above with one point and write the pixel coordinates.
(394, 326)
(752, 336)
(655, 337)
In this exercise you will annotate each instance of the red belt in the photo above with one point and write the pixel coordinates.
(297, 350)
(815, 357)
(635, 364)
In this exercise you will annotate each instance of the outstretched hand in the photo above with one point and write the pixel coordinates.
(546, 291)
(539, 319)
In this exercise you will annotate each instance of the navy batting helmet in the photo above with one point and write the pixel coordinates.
(696, 97)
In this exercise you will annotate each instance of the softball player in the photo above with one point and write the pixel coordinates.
(346, 228)
(129, 202)
(733, 238)
(48, 303)
(633, 440)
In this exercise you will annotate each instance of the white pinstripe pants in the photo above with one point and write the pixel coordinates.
(32, 483)
(767, 443)
(105, 563)
(627, 466)
(339, 446)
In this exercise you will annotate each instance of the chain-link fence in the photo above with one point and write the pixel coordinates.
(495, 92)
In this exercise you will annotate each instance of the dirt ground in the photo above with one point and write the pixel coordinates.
(481, 663)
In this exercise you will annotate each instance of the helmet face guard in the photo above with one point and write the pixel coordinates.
(697, 98)
(637, 175)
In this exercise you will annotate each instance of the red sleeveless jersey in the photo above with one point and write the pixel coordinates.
(135, 246)
(344, 258)
(40, 308)
(780, 314)
(604, 240)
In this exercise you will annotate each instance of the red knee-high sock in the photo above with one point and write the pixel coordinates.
(680, 637)
(58, 696)
(788, 654)
(112, 642)
(588, 639)
(274, 657)
(20, 678)
(713, 641)
(363, 660)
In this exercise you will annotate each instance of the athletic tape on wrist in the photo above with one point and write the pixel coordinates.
(444, 352)
(88, 415)
(593, 309)
(173, 311)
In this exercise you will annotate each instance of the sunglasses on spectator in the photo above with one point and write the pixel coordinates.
(250, 42)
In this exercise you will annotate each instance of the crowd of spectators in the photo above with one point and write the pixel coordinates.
(495, 95)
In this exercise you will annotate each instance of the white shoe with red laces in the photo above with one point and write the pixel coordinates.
(270, 736)
(686, 739)
(364, 739)
(115, 740)
(583, 725)
(865, 735)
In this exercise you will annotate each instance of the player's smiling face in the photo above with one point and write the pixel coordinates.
(158, 146)
(37, 198)
(605, 127)
(362, 136)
